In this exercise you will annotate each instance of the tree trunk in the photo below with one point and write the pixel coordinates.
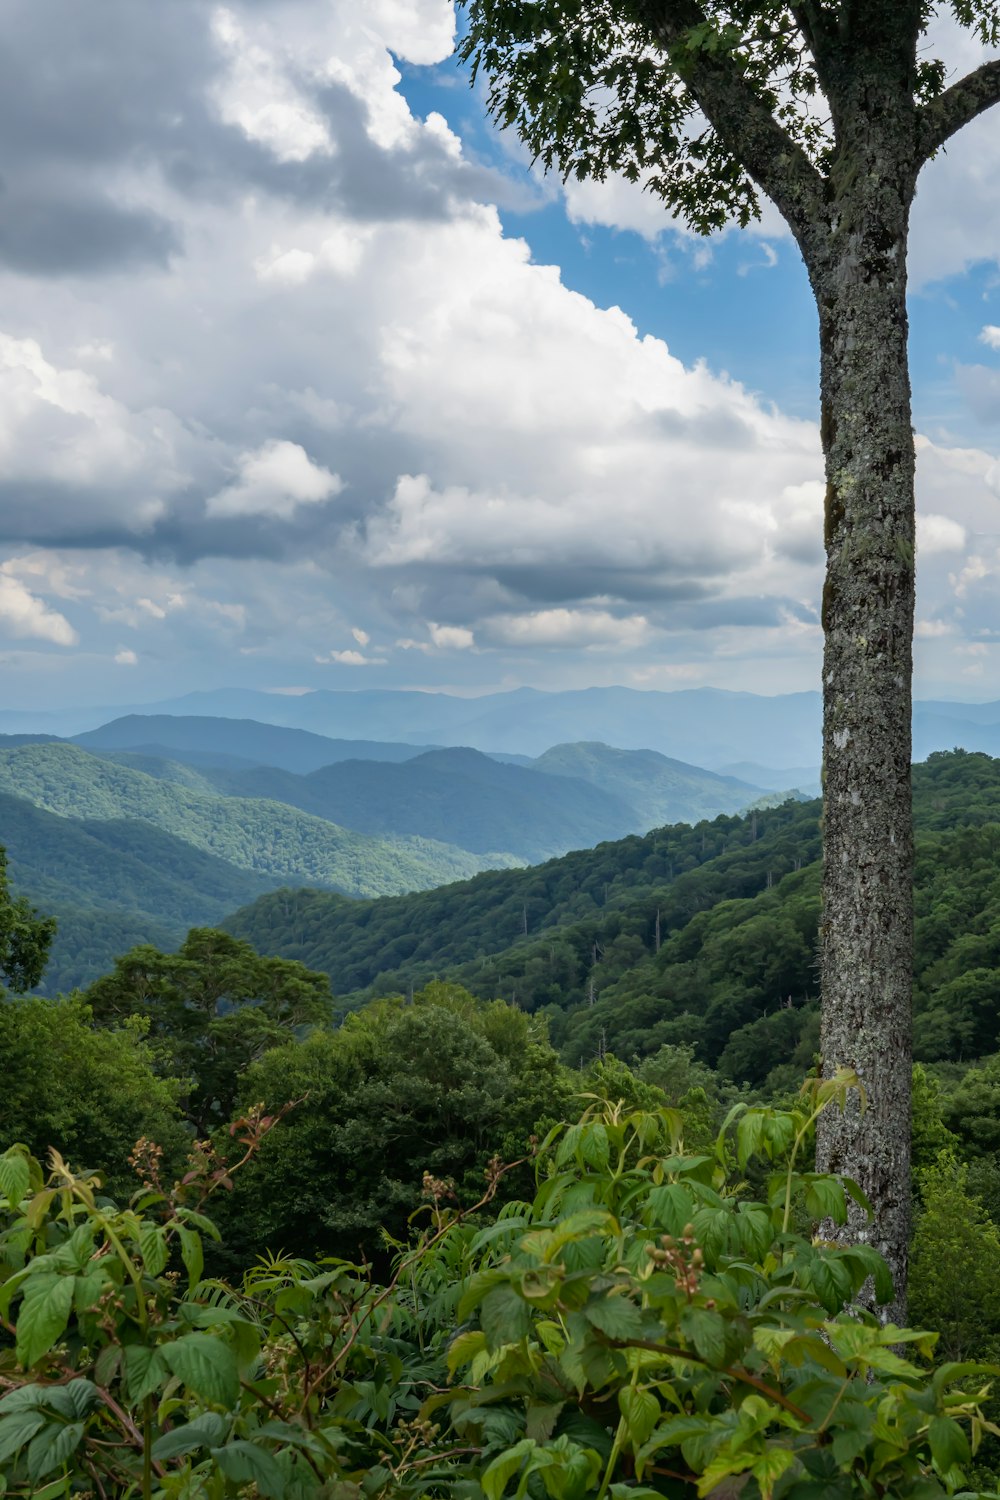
(866, 930)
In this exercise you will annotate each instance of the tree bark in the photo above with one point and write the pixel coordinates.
(858, 273)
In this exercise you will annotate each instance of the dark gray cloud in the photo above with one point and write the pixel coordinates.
(123, 88)
(62, 234)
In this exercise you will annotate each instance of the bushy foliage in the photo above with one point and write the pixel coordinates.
(439, 1083)
(640, 1329)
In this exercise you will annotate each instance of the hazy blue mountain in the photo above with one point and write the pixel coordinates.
(702, 726)
(247, 742)
(659, 790)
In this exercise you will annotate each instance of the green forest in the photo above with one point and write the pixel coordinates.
(326, 1213)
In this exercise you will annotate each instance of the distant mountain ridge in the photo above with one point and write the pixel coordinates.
(247, 742)
(708, 727)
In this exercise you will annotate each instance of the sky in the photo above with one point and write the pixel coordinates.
(309, 379)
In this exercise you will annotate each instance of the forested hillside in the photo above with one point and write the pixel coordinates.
(121, 857)
(457, 797)
(268, 837)
(660, 790)
(701, 935)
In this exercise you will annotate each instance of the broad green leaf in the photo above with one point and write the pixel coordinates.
(594, 1146)
(206, 1365)
(15, 1178)
(205, 1431)
(706, 1331)
(640, 1410)
(17, 1429)
(464, 1348)
(505, 1316)
(495, 1477)
(245, 1463)
(43, 1317)
(192, 1254)
(615, 1316)
(769, 1467)
(51, 1447)
(145, 1370)
(153, 1246)
(949, 1444)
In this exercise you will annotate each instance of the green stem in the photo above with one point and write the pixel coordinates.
(147, 1448)
(613, 1456)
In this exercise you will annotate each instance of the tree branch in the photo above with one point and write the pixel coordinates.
(748, 128)
(957, 106)
(818, 26)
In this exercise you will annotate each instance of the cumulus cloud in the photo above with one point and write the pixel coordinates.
(351, 659)
(315, 301)
(126, 657)
(990, 336)
(592, 629)
(451, 637)
(274, 480)
(939, 534)
(25, 616)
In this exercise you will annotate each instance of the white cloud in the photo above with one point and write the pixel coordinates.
(274, 480)
(570, 627)
(260, 98)
(939, 534)
(125, 657)
(24, 615)
(361, 636)
(57, 424)
(451, 637)
(990, 335)
(351, 659)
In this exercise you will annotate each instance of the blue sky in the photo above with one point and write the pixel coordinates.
(307, 380)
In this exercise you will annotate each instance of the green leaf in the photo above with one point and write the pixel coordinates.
(594, 1146)
(640, 1410)
(615, 1316)
(706, 1331)
(192, 1254)
(18, 1429)
(15, 1178)
(464, 1348)
(153, 1246)
(206, 1365)
(51, 1447)
(769, 1467)
(505, 1316)
(43, 1317)
(245, 1463)
(205, 1431)
(831, 1280)
(495, 1477)
(145, 1371)
(949, 1444)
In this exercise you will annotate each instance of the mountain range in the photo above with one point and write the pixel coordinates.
(740, 733)
(126, 845)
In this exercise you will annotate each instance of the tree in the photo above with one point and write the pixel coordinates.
(213, 1008)
(831, 111)
(25, 938)
(89, 1092)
